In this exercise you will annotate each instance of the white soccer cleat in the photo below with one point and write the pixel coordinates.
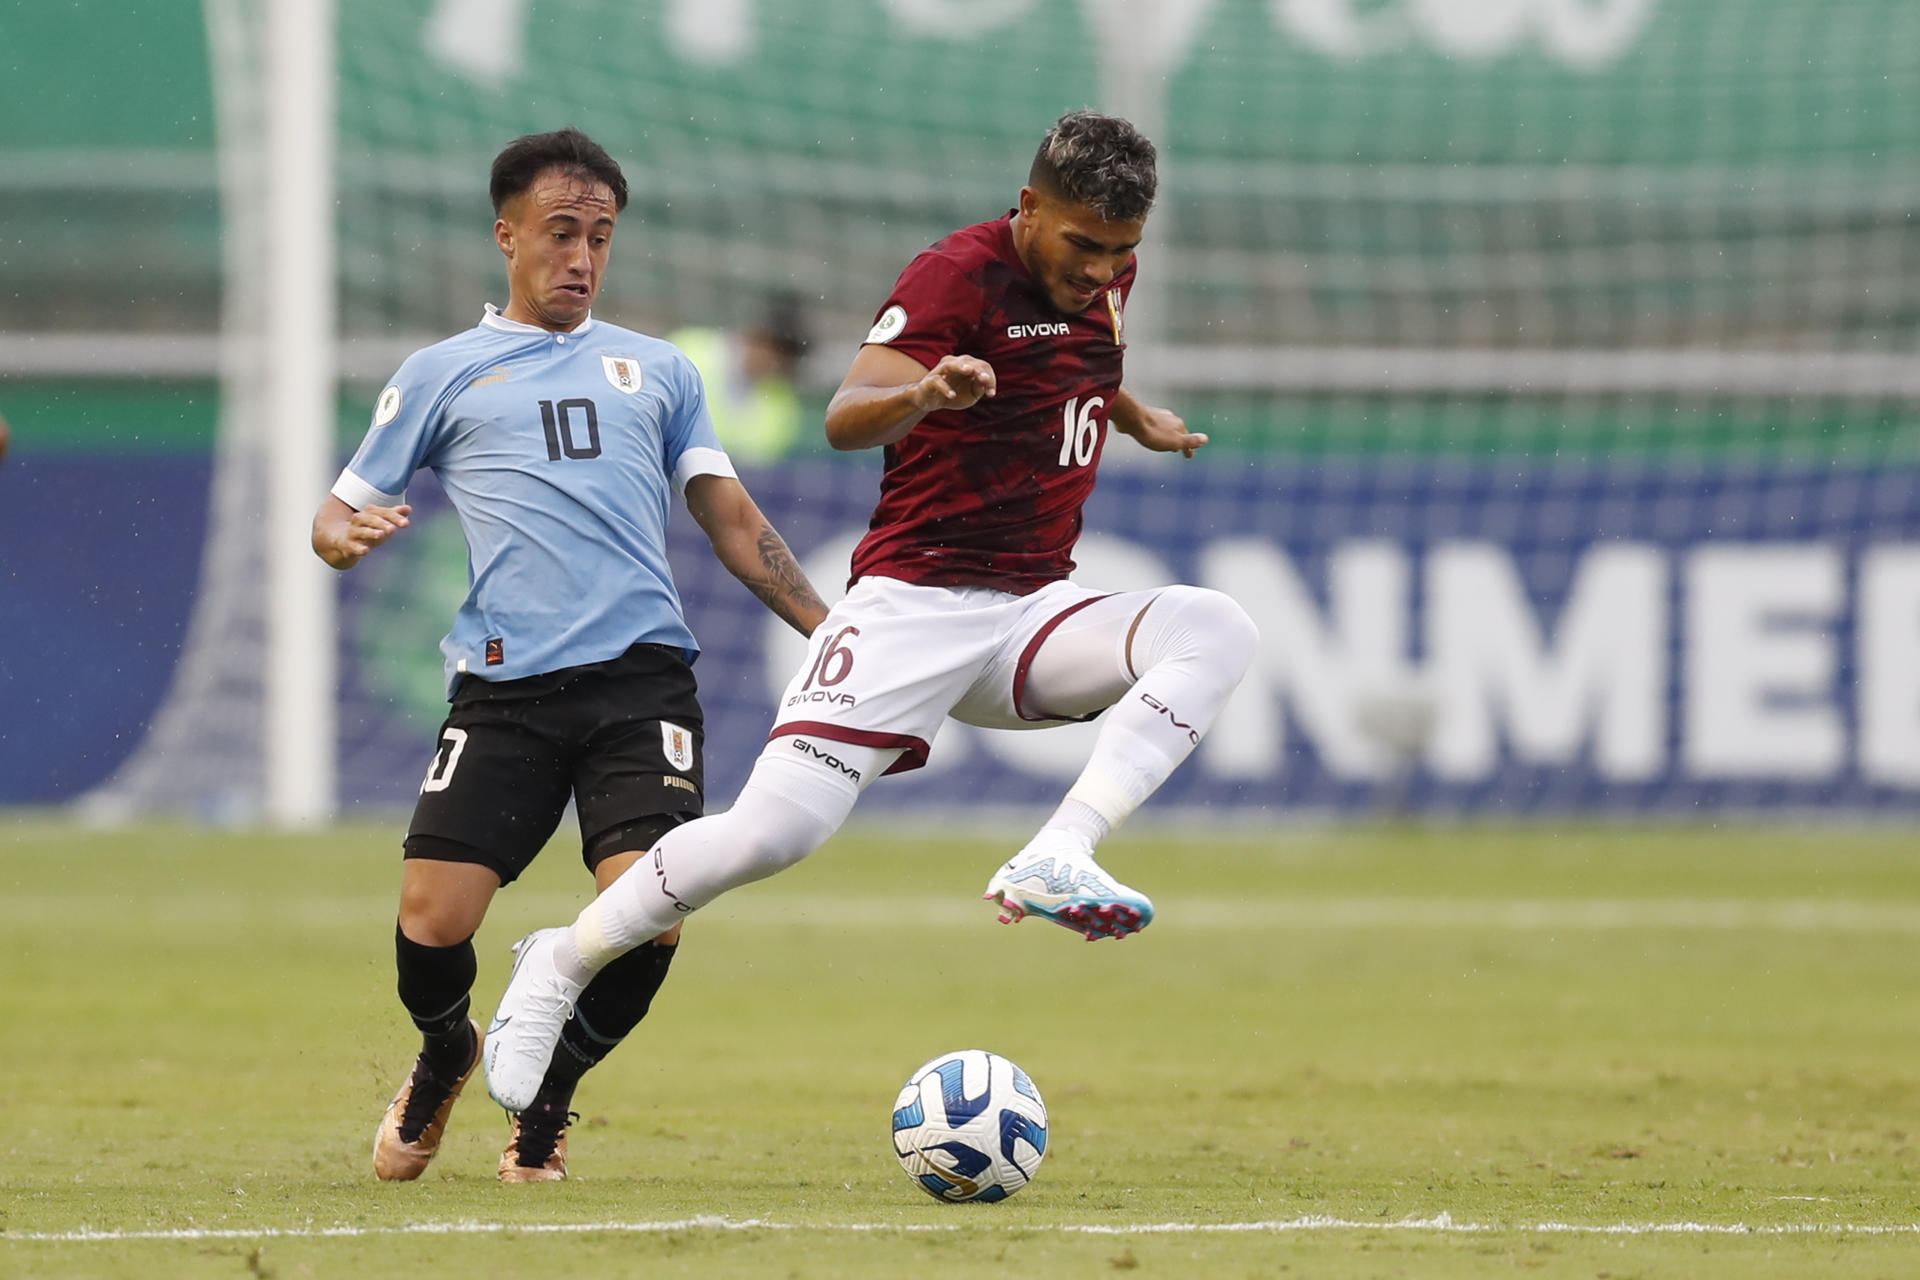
(535, 1006)
(1056, 878)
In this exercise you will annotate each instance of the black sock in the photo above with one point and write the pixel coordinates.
(610, 1007)
(435, 986)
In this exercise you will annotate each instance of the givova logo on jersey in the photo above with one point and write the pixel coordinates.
(623, 372)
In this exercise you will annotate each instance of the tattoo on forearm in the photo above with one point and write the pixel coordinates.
(781, 584)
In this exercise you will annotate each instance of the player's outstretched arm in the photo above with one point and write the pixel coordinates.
(342, 536)
(886, 393)
(1161, 430)
(753, 551)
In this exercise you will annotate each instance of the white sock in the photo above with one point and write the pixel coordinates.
(1079, 818)
(1192, 648)
(570, 964)
(787, 810)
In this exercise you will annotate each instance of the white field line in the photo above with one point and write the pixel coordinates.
(1335, 914)
(1441, 1224)
(858, 911)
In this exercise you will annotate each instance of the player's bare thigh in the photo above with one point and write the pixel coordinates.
(442, 903)
(1070, 660)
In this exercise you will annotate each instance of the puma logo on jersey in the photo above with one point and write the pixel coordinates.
(1055, 330)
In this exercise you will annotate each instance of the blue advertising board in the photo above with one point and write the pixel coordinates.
(99, 556)
(1448, 636)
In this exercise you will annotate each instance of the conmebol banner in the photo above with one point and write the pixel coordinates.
(1443, 635)
(1618, 636)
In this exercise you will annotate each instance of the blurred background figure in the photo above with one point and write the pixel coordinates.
(750, 374)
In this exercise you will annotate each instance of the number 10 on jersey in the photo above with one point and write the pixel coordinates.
(1079, 431)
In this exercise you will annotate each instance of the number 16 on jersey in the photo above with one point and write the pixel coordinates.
(1079, 431)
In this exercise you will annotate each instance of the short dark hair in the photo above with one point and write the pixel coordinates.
(1099, 161)
(524, 159)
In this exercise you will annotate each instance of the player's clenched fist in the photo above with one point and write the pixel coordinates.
(343, 536)
(957, 382)
(372, 526)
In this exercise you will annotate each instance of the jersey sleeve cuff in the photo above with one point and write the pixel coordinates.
(702, 461)
(360, 495)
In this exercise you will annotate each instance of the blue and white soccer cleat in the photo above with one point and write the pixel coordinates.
(1056, 878)
(526, 1026)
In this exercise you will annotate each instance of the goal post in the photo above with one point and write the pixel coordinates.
(248, 729)
(301, 676)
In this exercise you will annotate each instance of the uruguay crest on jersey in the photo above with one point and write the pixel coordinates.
(623, 372)
(676, 744)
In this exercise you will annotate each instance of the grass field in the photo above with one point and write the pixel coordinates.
(1601, 1053)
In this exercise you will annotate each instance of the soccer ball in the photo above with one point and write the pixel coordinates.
(970, 1126)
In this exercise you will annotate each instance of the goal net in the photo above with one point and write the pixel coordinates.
(1552, 282)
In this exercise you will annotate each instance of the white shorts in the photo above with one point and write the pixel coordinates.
(893, 660)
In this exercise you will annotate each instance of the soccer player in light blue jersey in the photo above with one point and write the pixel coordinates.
(559, 440)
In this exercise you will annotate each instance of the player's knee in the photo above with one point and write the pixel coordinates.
(445, 888)
(1231, 633)
(1202, 622)
(781, 837)
(439, 923)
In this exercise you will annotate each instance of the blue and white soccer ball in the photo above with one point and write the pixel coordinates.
(970, 1126)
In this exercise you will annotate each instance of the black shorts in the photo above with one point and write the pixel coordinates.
(623, 738)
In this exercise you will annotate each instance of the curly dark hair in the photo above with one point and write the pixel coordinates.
(524, 159)
(1099, 161)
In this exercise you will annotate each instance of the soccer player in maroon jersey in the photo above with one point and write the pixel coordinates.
(990, 376)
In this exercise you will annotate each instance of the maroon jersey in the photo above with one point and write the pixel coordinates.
(991, 496)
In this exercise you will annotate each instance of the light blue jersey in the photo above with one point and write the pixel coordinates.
(559, 452)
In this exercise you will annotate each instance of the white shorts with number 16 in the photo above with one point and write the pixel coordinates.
(893, 660)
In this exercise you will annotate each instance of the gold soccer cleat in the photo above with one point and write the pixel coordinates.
(416, 1119)
(537, 1150)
